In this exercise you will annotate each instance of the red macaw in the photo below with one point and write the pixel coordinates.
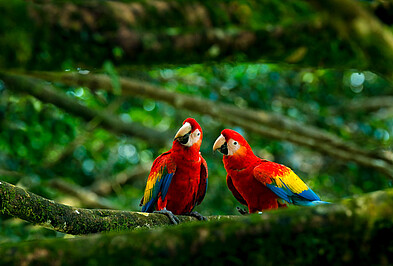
(178, 178)
(257, 183)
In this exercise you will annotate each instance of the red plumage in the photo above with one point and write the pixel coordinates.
(258, 183)
(178, 178)
(248, 190)
(184, 188)
(240, 178)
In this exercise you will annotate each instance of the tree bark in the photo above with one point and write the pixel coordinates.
(262, 122)
(356, 232)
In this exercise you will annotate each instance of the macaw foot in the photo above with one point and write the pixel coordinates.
(242, 211)
(170, 215)
(197, 215)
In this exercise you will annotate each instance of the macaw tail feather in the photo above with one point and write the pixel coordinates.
(319, 202)
(310, 203)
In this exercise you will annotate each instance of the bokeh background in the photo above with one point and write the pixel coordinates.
(333, 85)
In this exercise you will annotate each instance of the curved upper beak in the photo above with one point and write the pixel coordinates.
(221, 145)
(183, 133)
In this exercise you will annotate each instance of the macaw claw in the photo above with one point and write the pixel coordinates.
(242, 211)
(197, 215)
(170, 215)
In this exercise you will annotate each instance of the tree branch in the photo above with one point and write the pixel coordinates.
(28, 206)
(262, 122)
(46, 93)
(357, 232)
(364, 105)
(349, 107)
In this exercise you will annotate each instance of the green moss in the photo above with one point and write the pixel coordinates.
(359, 231)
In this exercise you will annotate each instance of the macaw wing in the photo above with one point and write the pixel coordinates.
(234, 191)
(158, 182)
(203, 182)
(284, 183)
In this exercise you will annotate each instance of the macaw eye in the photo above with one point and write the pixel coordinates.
(198, 134)
(235, 143)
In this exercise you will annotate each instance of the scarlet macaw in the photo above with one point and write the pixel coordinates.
(178, 178)
(258, 183)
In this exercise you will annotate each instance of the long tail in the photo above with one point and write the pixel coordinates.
(310, 203)
(318, 202)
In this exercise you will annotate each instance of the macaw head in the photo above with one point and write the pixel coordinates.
(190, 134)
(232, 144)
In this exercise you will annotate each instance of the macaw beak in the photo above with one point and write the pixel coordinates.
(221, 145)
(184, 133)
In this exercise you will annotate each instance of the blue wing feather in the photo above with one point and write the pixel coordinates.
(306, 198)
(286, 184)
(161, 185)
(165, 185)
(283, 193)
(309, 195)
(150, 203)
(158, 182)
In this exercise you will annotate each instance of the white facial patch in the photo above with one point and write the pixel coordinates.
(194, 138)
(233, 146)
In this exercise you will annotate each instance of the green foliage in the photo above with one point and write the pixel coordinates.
(19, 38)
(36, 134)
(13, 230)
(42, 142)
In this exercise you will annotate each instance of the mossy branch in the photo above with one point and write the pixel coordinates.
(357, 232)
(30, 207)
